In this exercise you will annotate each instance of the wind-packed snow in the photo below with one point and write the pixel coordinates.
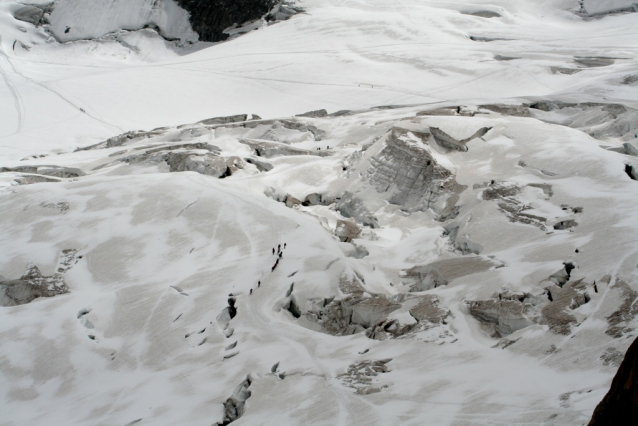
(452, 242)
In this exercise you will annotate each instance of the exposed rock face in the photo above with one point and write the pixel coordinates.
(620, 405)
(410, 171)
(441, 272)
(209, 18)
(33, 284)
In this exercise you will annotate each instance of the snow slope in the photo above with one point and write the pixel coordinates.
(453, 261)
(339, 55)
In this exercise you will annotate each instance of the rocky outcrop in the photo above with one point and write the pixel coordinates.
(33, 285)
(620, 404)
(209, 18)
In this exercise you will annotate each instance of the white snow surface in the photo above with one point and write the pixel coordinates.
(143, 335)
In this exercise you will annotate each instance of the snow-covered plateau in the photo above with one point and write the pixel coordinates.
(332, 212)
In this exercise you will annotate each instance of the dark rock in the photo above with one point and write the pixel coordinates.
(209, 18)
(620, 405)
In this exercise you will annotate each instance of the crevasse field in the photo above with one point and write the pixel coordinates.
(376, 212)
